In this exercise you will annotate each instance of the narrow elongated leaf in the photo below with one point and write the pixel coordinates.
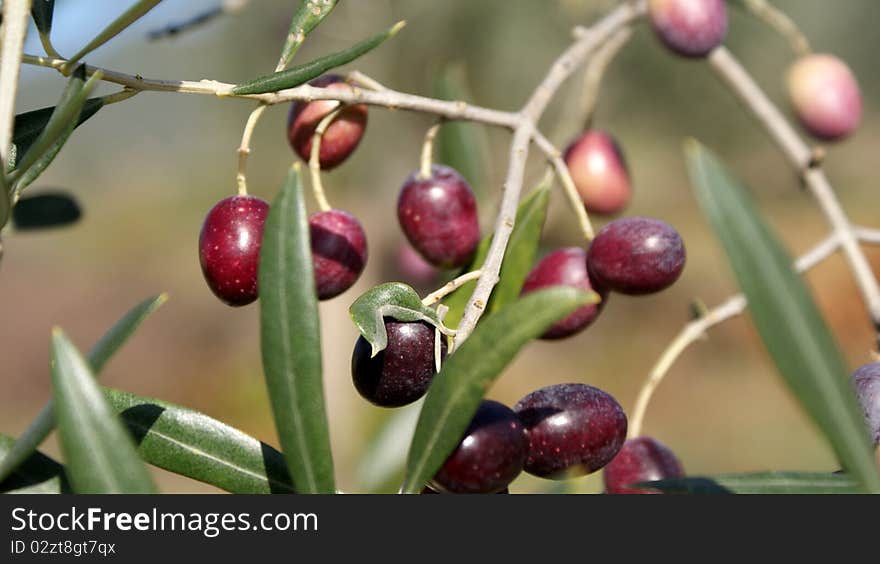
(29, 125)
(462, 145)
(761, 483)
(133, 14)
(290, 340)
(111, 342)
(519, 258)
(192, 444)
(36, 474)
(392, 299)
(529, 217)
(785, 315)
(456, 392)
(45, 211)
(306, 18)
(61, 124)
(383, 460)
(100, 454)
(41, 11)
(300, 74)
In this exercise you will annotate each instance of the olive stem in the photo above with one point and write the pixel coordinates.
(596, 71)
(450, 287)
(781, 23)
(315, 159)
(244, 148)
(568, 188)
(428, 151)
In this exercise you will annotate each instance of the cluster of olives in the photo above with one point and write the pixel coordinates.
(559, 431)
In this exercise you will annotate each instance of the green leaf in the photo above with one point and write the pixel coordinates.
(462, 145)
(305, 19)
(382, 462)
(519, 258)
(192, 444)
(784, 313)
(529, 220)
(456, 392)
(290, 339)
(392, 299)
(305, 72)
(58, 129)
(36, 474)
(133, 14)
(29, 125)
(45, 211)
(100, 455)
(760, 483)
(112, 341)
(41, 11)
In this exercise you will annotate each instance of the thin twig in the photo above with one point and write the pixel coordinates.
(596, 71)
(781, 23)
(386, 98)
(315, 159)
(428, 151)
(450, 287)
(695, 330)
(244, 148)
(15, 14)
(800, 155)
(571, 194)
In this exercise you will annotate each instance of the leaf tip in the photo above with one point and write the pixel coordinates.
(397, 27)
(691, 146)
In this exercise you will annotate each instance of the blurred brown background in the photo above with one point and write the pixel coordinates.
(147, 170)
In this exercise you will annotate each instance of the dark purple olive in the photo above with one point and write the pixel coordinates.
(866, 382)
(229, 248)
(490, 455)
(573, 429)
(400, 373)
(636, 255)
(566, 267)
(642, 459)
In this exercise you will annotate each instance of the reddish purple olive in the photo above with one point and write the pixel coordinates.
(599, 172)
(691, 28)
(229, 248)
(401, 372)
(866, 382)
(438, 215)
(636, 255)
(340, 138)
(566, 267)
(825, 96)
(339, 251)
(490, 455)
(573, 429)
(642, 459)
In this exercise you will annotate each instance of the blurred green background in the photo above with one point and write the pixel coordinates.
(147, 170)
